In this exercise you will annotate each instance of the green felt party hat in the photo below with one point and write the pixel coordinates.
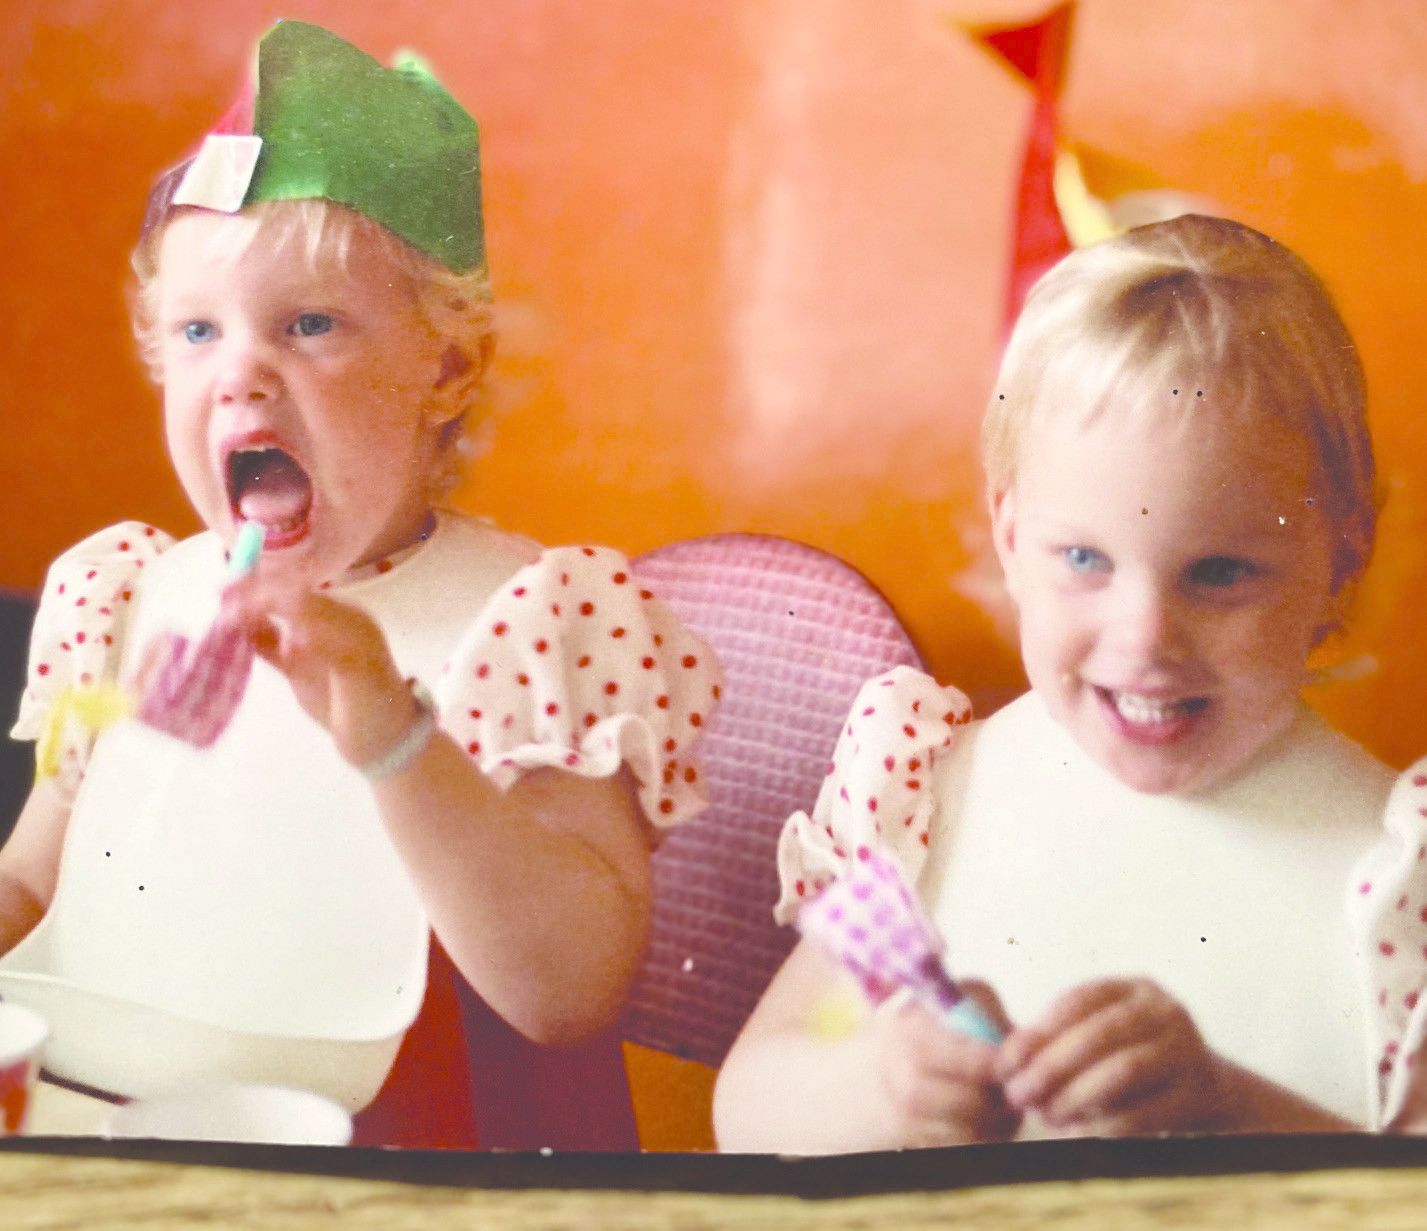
(326, 120)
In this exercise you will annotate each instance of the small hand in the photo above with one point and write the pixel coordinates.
(335, 657)
(1117, 1058)
(941, 1083)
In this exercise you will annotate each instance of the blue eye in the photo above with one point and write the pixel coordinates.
(310, 324)
(1220, 572)
(1085, 559)
(198, 332)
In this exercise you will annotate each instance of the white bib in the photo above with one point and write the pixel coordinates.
(1045, 871)
(244, 903)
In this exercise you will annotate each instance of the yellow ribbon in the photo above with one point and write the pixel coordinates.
(1084, 216)
(93, 706)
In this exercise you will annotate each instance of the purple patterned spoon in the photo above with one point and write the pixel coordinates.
(192, 692)
(871, 921)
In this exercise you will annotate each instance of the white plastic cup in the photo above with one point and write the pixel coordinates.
(23, 1033)
(275, 1115)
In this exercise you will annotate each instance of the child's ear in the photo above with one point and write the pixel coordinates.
(451, 378)
(1002, 503)
(1334, 613)
(1346, 565)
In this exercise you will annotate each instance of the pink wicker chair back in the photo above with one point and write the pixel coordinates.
(798, 632)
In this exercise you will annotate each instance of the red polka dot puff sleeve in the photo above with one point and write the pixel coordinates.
(875, 795)
(79, 631)
(1388, 905)
(573, 664)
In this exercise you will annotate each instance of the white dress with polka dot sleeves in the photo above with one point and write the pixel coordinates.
(574, 665)
(875, 793)
(1042, 871)
(1389, 906)
(79, 633)
(239, 912)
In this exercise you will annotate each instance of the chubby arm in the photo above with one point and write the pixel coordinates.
(1120, 1057)
(1259, 1105)
(896, 1078)
(541, 894)
(29, 862)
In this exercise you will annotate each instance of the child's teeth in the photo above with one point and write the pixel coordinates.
(1143, 710)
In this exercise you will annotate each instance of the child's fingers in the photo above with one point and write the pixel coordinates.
(1170, 1099)
(258, 598)
(1116, 1086)
(337, 661)
(1081, 1002)
(1019, 1048)
(989, 1003)
(270, 646)
(940, 1053)
(985, 1117)
(1136, 1063)
(301, 623)
(943, 1101)
(1116, 1024)
(989, 1122)
(941, 1082)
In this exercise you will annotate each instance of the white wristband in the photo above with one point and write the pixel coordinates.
(410, 745)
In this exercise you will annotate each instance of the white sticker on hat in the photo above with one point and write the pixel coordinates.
(220, 173)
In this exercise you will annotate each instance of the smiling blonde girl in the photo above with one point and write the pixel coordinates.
(1146, 857)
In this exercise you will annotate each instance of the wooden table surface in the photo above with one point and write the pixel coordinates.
(177, 1185)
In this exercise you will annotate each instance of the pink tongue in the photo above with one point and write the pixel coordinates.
(276, 493)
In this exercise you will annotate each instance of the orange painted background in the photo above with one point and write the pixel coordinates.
(750, 258)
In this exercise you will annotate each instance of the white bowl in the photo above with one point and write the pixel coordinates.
(22, 1032)
(132, 1049)
(279, 1115)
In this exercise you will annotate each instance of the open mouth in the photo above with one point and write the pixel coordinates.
(1151, 719)
(268, 486)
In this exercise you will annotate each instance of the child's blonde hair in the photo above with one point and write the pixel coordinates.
(457, 306)
(1197, 313)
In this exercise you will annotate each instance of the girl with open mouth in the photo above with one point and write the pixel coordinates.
(448, 733)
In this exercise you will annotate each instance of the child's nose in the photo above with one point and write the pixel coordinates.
(1149, 623)
(247, 375)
